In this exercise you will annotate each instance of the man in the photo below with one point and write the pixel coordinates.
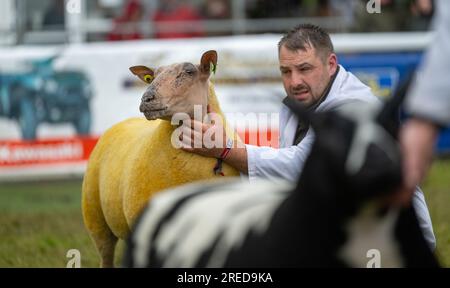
(311, 74)
(429, 105)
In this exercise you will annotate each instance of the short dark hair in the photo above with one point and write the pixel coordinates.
(306, 36)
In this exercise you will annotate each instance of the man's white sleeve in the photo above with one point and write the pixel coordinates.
(430, 93)
(284, 163)
(423, 217)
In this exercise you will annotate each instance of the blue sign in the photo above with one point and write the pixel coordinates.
(383, 72)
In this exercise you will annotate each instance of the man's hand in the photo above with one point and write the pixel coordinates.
(417, 139)
(210, 140)
(203, 139)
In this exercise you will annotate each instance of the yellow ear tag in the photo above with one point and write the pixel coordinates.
(212, 68)
(148, 78)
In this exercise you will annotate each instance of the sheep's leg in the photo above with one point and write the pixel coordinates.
(106, 247)
(94, 220)
(104, 239)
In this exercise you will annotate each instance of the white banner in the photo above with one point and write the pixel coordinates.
(247, 78)
(52, 95)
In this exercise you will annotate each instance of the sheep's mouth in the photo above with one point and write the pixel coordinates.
(153, 114)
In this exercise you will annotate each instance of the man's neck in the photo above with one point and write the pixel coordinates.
(325, 92)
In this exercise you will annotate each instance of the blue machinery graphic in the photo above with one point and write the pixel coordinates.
(41, 94)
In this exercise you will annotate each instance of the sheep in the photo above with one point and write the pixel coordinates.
(336, 215)
(135, 159)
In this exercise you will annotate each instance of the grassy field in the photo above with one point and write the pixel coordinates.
(437, 193)
(40, 222)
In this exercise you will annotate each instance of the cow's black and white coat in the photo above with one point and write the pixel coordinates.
(331, 218)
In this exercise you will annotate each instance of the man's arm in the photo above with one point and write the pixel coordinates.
(284, 163)
(417, 139)
(255, 161)
(237, 157)
(429, 105)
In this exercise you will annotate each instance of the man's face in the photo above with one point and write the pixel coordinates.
(305, 76)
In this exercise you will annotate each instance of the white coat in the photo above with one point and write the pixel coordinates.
(287, 162)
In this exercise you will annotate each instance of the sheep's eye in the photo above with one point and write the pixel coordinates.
(189, 72)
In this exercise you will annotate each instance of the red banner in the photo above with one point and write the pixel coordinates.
(260, 138)
(69, 150)
(49, 151)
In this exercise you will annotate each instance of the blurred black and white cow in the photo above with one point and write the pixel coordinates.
(335, 216)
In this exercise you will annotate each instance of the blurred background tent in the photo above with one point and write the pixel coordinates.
(39, 20)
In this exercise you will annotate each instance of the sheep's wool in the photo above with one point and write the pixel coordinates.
(131, 162)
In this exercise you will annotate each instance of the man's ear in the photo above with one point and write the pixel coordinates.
(332, 61)
(144, 73)
(208, 63)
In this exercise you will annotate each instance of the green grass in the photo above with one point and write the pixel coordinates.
(40, 222)
(437, 193)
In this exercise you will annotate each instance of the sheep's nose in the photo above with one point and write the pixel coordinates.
(146, 101)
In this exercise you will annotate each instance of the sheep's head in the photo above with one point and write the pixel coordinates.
(175, 88)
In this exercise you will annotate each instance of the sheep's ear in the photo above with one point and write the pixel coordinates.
(144, 73)
(208, 63)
